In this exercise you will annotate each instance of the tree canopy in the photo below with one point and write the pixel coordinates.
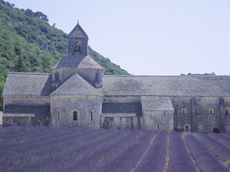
(29, 44)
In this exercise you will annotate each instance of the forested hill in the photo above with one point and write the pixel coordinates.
(29, 44)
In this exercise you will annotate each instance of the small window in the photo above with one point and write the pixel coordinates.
(56, 76)
(226, 111)
(183, 111)
(75, 115)
(78, 46)
(92, 115)
(158, 126)
(198, 111)
(201, 128)
(211, 111)
(58, 115)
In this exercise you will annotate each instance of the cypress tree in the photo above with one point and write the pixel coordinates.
(20, 64)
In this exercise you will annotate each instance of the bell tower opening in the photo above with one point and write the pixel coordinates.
(78, 47)
(78, 41)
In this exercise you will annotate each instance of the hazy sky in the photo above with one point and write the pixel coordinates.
(149, 37)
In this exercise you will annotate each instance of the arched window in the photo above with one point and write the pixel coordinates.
(78, 46)
(226, 110)
(92, 115)
(58, 115)
(56, 76)
(186, 129)
(201, 128)
(211, 111)
(75, 115)
(184, 111)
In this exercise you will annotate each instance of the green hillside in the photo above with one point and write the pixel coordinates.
(29, 44)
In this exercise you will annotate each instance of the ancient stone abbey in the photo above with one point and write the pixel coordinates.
(77, 93)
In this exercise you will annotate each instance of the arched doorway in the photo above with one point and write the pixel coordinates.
(187, 127)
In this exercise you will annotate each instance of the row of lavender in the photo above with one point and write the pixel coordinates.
(76, 149)
(203, 157)
(34, 150)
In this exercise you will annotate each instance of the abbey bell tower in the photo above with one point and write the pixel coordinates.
(78, 41)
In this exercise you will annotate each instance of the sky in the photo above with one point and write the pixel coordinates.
(149, 37)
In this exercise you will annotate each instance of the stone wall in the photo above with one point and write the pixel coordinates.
(120, 121)
(0, 117)
(158, 120)
(197, 113)
(83, 105)
(25, 121)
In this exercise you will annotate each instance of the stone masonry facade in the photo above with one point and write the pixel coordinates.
(78, 94)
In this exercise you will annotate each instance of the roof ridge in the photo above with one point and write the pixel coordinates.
(78, 25)
(166, 76)
(28, 73)
(82, 81)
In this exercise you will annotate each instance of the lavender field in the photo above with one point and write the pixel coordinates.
(88, 150)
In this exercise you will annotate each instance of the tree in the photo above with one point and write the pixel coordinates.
(41, 16)
(20, 65)
(29, 13)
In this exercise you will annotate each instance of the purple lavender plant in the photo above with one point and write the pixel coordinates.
(128, 158)
(221, 139)
(225, 135)
(203, 158)
(154, 159)
(63, 156)
(36, 151)
(179, 159)
(215, 147)
(98, 158)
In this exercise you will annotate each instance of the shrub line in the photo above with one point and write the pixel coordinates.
(193, 160)
(144, 152)
(217, 157)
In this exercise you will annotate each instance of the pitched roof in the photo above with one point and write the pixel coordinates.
(26, 110)
(78, 32)
(156, 103)
(27, 84)
(113, 108)
(77, 61)
(76, 85)
(167, 85)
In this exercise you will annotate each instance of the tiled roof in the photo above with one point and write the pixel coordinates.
(77, 61)
(76, 85)
(166, 85)
(122, 108)
(26, 110)
(27, 84)
(78, 32)
(156, 103)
